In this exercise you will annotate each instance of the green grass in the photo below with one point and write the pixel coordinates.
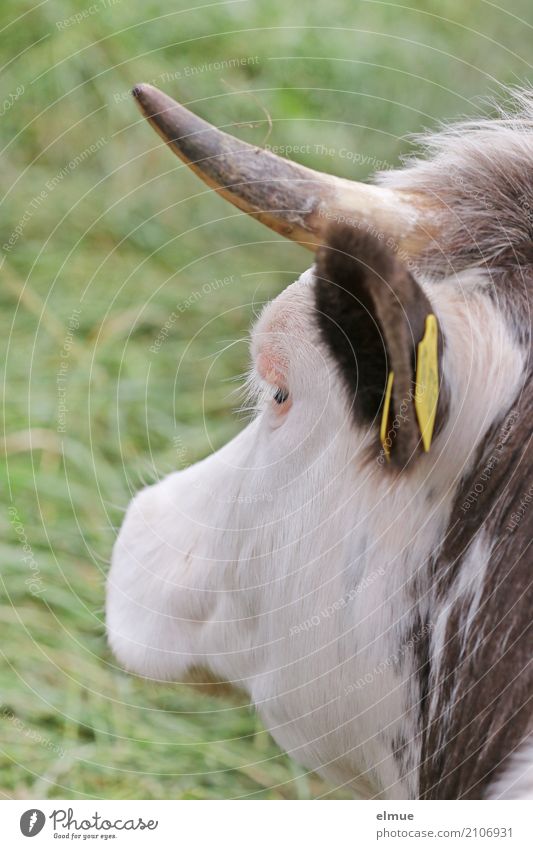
(102, 260)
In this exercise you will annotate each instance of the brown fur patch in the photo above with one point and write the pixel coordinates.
(484, 678)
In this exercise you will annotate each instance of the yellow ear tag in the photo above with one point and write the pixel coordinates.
(385, 416)
(427, 381)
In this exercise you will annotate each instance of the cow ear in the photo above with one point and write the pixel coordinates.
(380, 329)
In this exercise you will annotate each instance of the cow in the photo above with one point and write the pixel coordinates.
(357, 558)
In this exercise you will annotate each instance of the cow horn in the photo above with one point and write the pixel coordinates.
(295, 201)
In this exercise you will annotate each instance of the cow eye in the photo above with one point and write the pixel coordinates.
(281, 396)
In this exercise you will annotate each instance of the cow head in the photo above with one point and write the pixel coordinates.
(295, 561)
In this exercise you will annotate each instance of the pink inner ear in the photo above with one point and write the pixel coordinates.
(270, 366)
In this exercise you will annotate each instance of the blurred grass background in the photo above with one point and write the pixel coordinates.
(114, 237)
